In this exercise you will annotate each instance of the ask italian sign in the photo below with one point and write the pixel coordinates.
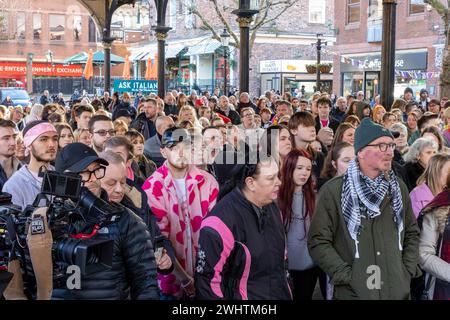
(133, 86)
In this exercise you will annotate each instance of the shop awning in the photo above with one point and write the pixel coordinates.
(143, 53)
(204, 48)
(173, 50)
(98, 58)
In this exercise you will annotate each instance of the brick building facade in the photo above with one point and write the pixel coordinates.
(54, 31)
(357, 60)
(286, 38)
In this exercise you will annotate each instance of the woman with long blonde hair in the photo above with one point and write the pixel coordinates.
(378, 113)
(432, 182)
(188, 113)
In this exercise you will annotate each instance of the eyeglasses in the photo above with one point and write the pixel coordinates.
(248, 115)
(383, 146)
(99, 173)
(105, 132)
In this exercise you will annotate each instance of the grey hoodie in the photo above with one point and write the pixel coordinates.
(23, 187)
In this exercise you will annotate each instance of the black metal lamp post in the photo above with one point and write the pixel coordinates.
(30, 73)
(161, 35)
(245, 15)
(388, 54)
(319, 45)
(225, 36)
(107, 40)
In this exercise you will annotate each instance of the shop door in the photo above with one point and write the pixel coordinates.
(372, 85)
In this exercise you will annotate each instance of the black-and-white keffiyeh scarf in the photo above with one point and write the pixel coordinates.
(360, 193)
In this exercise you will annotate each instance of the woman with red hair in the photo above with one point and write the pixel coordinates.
(296, 200)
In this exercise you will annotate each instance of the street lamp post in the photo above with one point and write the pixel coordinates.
(245, 15)
(225, 37)
(388, 54)
(49, 57)
(30, 73)
(161, 35)
(319, 45)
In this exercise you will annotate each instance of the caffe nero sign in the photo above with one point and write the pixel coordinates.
(403, 61)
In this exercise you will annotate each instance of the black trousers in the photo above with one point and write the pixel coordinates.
(304, 283)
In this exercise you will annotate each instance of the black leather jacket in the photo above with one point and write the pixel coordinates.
(143, 125)
(133, 272)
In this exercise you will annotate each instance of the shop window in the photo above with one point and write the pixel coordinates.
(416, 7)
(37, 26)
(57, 27)
(352, 82)
(353, 11)
(317, 11)
(20, 28)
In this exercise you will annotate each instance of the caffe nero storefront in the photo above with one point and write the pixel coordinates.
(361, 72)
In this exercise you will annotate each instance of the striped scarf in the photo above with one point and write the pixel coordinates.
(362, 194)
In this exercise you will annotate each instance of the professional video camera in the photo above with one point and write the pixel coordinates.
(74, 216)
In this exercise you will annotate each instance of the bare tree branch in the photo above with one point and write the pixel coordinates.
(265, 21)
(215, 35)
(225, 22)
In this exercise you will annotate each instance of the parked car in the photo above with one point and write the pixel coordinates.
(18, 96)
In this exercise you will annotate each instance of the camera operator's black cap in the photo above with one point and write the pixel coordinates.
(75, 157)
(172, 136)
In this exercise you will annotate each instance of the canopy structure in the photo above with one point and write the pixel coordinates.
(203, 48)
(98, 58)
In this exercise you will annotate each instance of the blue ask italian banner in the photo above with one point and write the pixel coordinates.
(134, 86)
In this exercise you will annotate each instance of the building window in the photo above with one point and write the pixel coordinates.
(375, 10)
(353, 11)
(188, 16)
(92, 31)
(37, 26)
(77, 27)
(173, 14)
(416, 7)
(374, 21)
(317, 11)
(128, 24)
(57, 27)
(20, 31)
(4, 25)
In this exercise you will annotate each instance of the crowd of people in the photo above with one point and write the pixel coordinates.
(230, 199)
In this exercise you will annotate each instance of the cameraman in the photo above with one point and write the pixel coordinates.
(133, 272)
(115, 184)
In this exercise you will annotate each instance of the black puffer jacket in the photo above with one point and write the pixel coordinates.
(133, 272)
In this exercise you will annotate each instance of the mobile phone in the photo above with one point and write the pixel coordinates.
(158, 253)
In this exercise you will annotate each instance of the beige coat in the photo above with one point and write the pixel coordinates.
(433, 225)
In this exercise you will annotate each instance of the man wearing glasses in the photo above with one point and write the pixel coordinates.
(41, 142)
(364, 234)
(101, 127)
(133, 272)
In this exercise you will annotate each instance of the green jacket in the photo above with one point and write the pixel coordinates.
(333, 250)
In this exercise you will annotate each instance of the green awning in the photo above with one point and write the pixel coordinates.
(98, 58)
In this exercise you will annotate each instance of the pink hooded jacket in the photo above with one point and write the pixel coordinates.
(202, 190)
